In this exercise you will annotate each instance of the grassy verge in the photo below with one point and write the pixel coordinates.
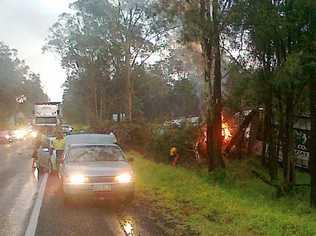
(230, 202)
(79, 127)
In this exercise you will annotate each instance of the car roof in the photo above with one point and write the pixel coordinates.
(93, 145)
(89, 139)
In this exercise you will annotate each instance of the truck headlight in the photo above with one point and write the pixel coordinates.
(77, 179)
(124, 178)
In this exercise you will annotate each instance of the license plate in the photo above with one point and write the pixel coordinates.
(102, 188)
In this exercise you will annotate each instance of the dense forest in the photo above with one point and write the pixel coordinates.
(17, 81)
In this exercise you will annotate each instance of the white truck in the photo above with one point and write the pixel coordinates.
(47, 114)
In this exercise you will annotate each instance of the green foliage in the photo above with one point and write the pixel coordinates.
(129, 135)
(242, 90)
(163, 138)
(226, 202)
(104, 45)
(16, 79)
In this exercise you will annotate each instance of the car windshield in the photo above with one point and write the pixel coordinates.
(95, 153)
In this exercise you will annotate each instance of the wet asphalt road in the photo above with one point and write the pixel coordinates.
(81, 217)
(19, 191)
(18, 188)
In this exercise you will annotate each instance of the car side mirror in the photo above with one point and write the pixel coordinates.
(130, 159)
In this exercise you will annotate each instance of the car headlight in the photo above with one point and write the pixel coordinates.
(34, 134)
(20, 134)
(124, 178)
(77, 179)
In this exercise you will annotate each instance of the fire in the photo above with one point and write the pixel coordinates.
(200, 146)
(226, 132)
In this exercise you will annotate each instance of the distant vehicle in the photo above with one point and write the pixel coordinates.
(67, 129)
(47, 114)
(178, 123)
(94, 166)
(5, 137)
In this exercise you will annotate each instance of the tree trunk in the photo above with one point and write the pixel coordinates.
(211, 164)
(101, 109)
(129, 84)
(210, 139)
(270, 135)
(280, 131)
(95, 98)
(93, 101)
(312, 85)
(312, 160)
(130, 95)
(288, 146)
(207, 48)
(217, 93)
(252, 134)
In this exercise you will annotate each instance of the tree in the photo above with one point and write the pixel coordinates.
(16, 79)
(101, 43)
(309, 67)
(141, 32)
(275, 34)
(205, 22)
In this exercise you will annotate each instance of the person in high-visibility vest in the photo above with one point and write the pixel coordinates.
(173, 156)
(38, 142)
(59, 143)
(59, 146)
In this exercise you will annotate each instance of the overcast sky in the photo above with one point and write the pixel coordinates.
(24, 26)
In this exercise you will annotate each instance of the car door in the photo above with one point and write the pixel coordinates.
(44, 154)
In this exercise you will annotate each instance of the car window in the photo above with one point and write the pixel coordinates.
(95, 153)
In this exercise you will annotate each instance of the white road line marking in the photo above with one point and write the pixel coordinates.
(31, 228)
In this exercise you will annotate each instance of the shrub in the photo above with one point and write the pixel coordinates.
(183, 138)
(128, 134)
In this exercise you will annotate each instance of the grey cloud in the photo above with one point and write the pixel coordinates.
(24, 25)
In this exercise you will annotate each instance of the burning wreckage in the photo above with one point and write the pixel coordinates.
(243, 133)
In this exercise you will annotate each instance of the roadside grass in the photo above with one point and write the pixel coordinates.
(80, 127)
(227, 202)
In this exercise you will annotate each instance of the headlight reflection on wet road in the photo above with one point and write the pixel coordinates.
(128, 226)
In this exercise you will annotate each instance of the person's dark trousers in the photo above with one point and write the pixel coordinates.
(59, 156)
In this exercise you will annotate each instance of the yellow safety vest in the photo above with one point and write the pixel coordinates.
(59, 144)
(173, 151)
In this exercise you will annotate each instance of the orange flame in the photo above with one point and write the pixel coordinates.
(201, 142)
(226, 132)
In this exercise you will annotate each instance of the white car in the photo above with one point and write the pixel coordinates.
(94, 166)
(67, 129)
